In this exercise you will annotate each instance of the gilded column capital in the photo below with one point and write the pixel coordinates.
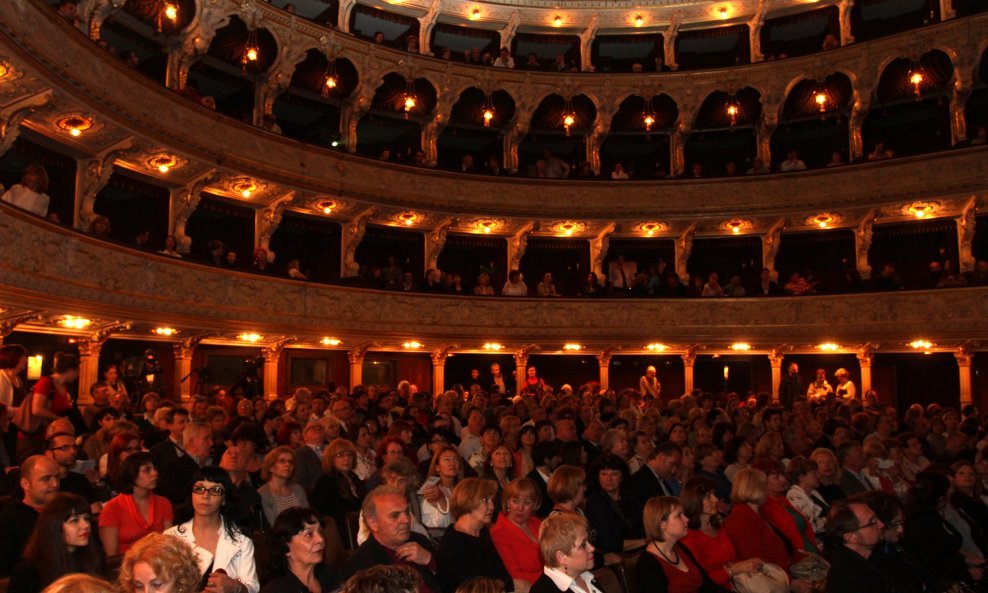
(964, 356)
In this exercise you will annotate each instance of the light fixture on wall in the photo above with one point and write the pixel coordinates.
(723, 11)
(569, 116)
(330, 79)
(408, 100)
(73, 322)
(922, 344)
(493, 347)
(740, 346)
(411, 345)
(639, 20)
(74, 124)
(820, 98)
(828, 347)
(163, 163)
(251, 337)
(488, 110)
(252, 49)
(327, 206)
(168, 13)
(572, 347)
(920, 209)
(327, 341)
(656, 347)
(164, 331)
(244, 186)
(916, 79)
(475, 14)
(823, 220)
(648, 117)
(733, 111)
(649, 229)
(557, 21)
(407, 218)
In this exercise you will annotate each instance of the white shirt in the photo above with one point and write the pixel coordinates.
(29, 200)
(514, 289)
(564, 582)
(796, 165)
(849, 391)
(508, 62)
(235, 556)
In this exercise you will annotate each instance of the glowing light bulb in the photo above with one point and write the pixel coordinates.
(327, 210)
(487, 230)
(569, 120)
(330, 82)
(330, 342)
(649, 120)
(252, 54)
(475, 14)
(75, 132)
(245, 193)
(639, 20)
(736, 230)
(163, 168)
(822, 224)
(732, 110)
(171, 12)
(557, 21)
(722, 11)
(916, 78)
(409, 103)
(488, 116)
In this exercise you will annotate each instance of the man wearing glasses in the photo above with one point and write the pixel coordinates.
(61, 449)
(860, 530)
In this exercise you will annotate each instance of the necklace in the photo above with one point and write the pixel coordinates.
(666, 558)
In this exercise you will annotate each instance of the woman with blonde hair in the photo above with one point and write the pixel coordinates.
(568, 489)
(828, 470)
(516, 531)
(338, 490)
(159, 563)
(568, 556)
(280, 490)
(80, 583)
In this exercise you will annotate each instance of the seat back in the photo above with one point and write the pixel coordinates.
(608, 580)
(351, 528)
(627, 573)
(335, 554)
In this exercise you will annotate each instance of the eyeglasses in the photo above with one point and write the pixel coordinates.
(212, 490)
(65, 448)
(872, 523)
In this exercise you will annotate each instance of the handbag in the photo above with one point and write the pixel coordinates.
(24, 418)
(812, 568)
(770, 579)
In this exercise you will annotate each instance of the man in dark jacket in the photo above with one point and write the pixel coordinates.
(859, 529)
(791, 387)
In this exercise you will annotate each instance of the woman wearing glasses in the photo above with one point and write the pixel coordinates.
(467, 550)
(225, 555)
(338, 490)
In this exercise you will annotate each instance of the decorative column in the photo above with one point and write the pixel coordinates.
(356, 359)
(669, 42)
(770, 246)
(272, 356)
(182, 202)
(435, 241)
(353, 234)
(515, 134)
(89, 349)
(92, 14)
(439, 357)
(15, 112)
(763, 134)
(682, 249)
(963, 85)
(755, 33)
(266, 222)
(509, 30)
(865, 357)
(775, 359)
(862, 244)
(440, 119)
(859, 111)
(604, 360)
(586, 44)
(689, 359)
(275, 81)
(354, 109)
(966, 224)
(183, 368)
(343, 19)
(427, 22)
(598, 249)
(91, 176)
(521, 364)
(844, 15)
(517, 245)
(965, 357)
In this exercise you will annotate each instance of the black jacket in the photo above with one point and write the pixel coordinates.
(371, 553)
(851, 572)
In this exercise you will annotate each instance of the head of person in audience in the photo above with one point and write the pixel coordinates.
(35, 177)
(565, 544)
(39, 480)
(665, 520)
(388, 516)
(137, 473)
(855, 525)
(212, 496)
(472, 503)
(297, 541)
(521, 498)
(384, 579)
(568, 487)
(159, 563)
(62, 541)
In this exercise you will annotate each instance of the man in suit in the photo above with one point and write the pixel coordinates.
(391, 540)
(175, 477)
(546, 456)
(791, 387)
(171, 448)
(852, 461)
(655, 478)
(858, 529)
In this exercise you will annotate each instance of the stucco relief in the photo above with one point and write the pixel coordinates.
(52, 265)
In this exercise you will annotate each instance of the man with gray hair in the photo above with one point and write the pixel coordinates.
(175, 476)
(391, 541)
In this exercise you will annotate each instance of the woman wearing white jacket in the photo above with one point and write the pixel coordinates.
(225, 555)
(802, 474)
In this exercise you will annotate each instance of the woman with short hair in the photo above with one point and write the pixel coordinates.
(280, 491)
(29, 193)
(296, 554)
(467, 549)
(568, 555)
(568, 489)
(516, 531)
(338, 490)
(615, 518)
(667, 565)
(137, 511)
(802, 494)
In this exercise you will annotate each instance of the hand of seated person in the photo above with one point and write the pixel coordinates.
(413, 552)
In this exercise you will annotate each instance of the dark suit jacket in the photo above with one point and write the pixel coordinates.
(371, 553)
(791, 389)
(644, 485)
(175, 479)
(851, 485)
(546, 507)
(850, 572)
(164, 452)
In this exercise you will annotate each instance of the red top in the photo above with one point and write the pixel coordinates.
(712, 553)
(682, 582)
(121, 512)
(519, 552)
(60, 402)
(753, 537)
(780, 513)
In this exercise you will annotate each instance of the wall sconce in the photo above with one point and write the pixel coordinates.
(250, 337)
(639, 20)
(407, 218)
(920, 209)
(327, 206)
(723, 11)
(244, 186)
(488, 110)
(475, 14)
(412, 345)
(34, 364)
(164, 331)
(828, 347)
(327, 341)
(572, 347)
(916, 79)
(163, 163)
(72, 322)
(820, 98)
(740, 346)
(493, 347)
(656, 347)
(557, 21)
(733, 111)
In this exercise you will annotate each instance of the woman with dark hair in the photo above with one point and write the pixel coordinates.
(523, 455)
(62, 543)
(296, 555)
(929, 537)
(137, 510)
(738, 453)
(611, 513)
(445, 472)
(30, 194)
(253, 443)
(710, 544)
(225, 554)
(390, 448)
(49, 401)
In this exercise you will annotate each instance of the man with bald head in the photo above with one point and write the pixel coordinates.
(39, 481)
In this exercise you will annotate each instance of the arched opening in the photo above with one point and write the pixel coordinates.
(468, 135)
(639, 137)
(309, 109)
(814, 122)
(911, 114)
(976, 110)
(723, 141)
(392, 131)
(621, 53)
(549, 141)
(799, 34)
(141, 32)
(228, 72)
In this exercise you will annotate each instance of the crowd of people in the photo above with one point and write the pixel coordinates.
(486, 487)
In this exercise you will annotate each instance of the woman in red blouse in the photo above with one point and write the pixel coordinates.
(782, 515)
(516, 532)
(50, 401)
(137, 510)
(710, 544)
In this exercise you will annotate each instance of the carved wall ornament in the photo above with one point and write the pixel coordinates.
(14, 112)
(567, 228)
(824, 220)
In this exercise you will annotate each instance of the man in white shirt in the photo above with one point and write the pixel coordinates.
(621, 273)
(470, 441)
(792, 163)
